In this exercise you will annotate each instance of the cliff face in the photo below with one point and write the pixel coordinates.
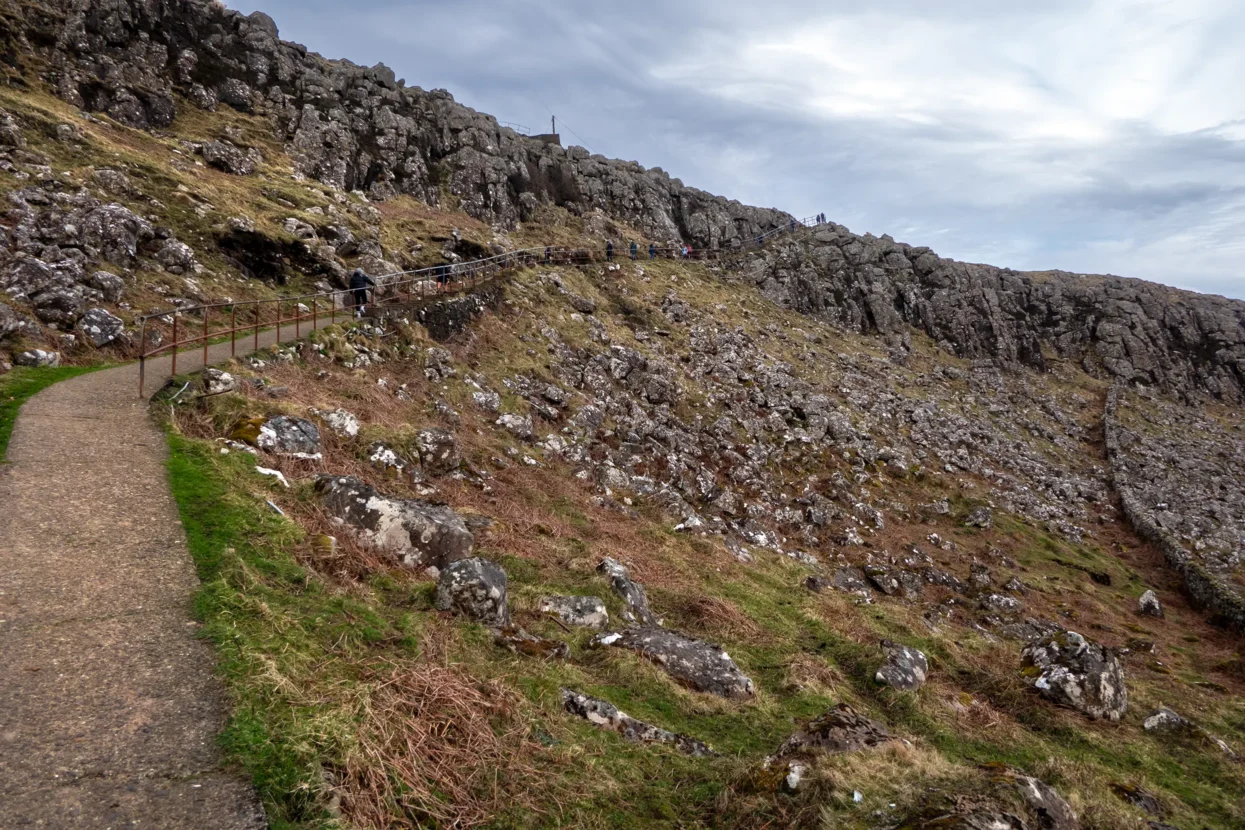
(1124, 329)
(350, 126)
(359, 128)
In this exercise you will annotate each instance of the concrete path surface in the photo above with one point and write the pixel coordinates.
(109, 709)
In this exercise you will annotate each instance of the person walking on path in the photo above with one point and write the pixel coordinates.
(609, 251)
(359, 283)
(652, 250)
(548, 254)
(635, 249)
(793, 226)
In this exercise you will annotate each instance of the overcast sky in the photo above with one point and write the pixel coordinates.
(1100, 136)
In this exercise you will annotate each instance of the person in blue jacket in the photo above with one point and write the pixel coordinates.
(652, 250)
(359, 283)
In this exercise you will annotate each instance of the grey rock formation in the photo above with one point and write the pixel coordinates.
(286, 435)
(99, 327)
(520, 426)
(1166, 720)
(608, 716)
(842, 729)
(351, 126)
(217, 382)
(1053, 812)
(696, 664)
(1148, 604)
(341, 422)
(474, 588)
(438, 451)
(1067, 669)
(588, 612)
(224, 156)
(982, 517)
(905, 669)
(632, 593)
(416, 533)
(1124, 329)
(10, 323)
(37, 358)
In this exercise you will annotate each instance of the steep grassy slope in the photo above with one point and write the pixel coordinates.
(793, 490)
(357, 699)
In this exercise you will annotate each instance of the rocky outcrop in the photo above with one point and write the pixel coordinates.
(1069, 670)
(698, 665)
(587, 612)
(905, 669)
(417, 533)
(606, 715)
(1124, 329)
(351, 126)
(476, 589)
(633, 595)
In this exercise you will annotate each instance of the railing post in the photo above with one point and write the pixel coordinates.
(233, 331)
(298, 320)
(206, 312)
(315, 305)
(174, 368)
(142, 358)
(255, 345)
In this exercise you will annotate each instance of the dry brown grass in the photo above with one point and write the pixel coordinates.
(713, 618)
(438, 747)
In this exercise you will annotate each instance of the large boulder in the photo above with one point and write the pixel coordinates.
(416, 533)
(702, 666)
(109, 285)
(1149, 605)
(116, 232)
(343, 423)
(474, 588)
(905, 669)
(176, 257)
(287, 435)
(438, 451)
(226, 157)
(99, 327)
(1069, 670)
(587, 612)
(632, 593)
(10, 323)
(37, 358)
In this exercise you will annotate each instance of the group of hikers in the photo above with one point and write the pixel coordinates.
(360, 282)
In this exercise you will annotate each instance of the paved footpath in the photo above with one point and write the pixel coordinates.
(109, 708)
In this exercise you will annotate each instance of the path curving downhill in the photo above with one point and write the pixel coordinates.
(109, 708)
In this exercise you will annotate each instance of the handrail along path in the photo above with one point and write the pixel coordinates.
(248, 317)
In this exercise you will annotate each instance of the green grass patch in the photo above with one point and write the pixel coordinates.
(22, 384)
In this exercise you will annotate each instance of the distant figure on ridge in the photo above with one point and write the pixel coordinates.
(609, 251)
(652, 250)
(359, 283)
(635, 249)
(793, 226)
(548, 254)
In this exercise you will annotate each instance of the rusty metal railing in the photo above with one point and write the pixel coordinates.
(246, 319)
